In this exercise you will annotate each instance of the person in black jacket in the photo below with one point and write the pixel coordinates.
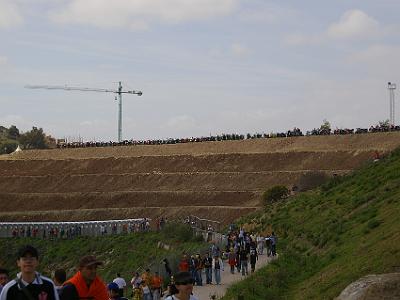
(29, 284)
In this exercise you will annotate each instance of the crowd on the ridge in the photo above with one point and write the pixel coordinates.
(230, 137)
(70, 230)
(199, 269)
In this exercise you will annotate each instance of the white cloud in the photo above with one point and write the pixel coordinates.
(240, 50)
(10, 15)
(354, 24)
(138, 14)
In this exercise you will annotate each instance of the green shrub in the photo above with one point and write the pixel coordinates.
(178, 231)
(274, 194)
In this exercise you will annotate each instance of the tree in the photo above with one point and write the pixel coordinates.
(325, 127)
(13, 132)
(8, 147)
(275, 193)
(34, 139)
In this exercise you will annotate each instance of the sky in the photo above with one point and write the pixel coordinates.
(205, 67)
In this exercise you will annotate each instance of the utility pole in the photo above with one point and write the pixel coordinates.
(391, 88)
(119, 91)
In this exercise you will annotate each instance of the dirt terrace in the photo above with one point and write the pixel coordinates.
(220, 180)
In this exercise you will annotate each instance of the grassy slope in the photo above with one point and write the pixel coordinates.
(332, 236)
(122, 253)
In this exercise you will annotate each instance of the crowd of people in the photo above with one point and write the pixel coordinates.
(29, 284)
(382, 127)
(70, 230)
(199, 269)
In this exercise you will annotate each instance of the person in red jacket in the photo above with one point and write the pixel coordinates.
(85, 284)
(184, 264)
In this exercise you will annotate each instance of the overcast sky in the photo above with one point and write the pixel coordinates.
(204, 66)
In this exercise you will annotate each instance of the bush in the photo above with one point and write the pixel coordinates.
(274, 194)
(178, 231)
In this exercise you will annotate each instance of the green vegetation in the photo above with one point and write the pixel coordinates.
(120, 253)
(275, 193)
(33, 139)
(331, 236)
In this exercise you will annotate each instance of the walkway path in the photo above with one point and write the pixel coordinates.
(204, 292)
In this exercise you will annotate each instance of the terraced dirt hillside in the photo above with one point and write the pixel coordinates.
(216, 180)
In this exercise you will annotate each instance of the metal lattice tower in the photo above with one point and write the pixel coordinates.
(391, 88)
(119, 92)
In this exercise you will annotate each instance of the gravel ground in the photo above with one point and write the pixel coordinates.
(204, 292)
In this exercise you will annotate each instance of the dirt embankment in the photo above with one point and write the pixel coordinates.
(220, 180)
(365, 142)
(235, 162)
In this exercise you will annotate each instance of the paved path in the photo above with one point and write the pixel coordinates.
(204, 292)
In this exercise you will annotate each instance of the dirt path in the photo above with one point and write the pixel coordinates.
(227, 279)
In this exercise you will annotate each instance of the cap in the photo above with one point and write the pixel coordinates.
(28, 249)
(112, 286)
(89, 260)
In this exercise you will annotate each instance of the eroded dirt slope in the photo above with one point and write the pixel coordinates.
(219, 180)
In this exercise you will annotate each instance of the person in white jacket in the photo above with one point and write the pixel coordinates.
(217, 266)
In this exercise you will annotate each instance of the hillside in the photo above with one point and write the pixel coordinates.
(331, 236)
(218, 180)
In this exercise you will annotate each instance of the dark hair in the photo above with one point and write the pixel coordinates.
(172, 289)
(28, 249)
(60, 275)
(183, 278)
(118, 274)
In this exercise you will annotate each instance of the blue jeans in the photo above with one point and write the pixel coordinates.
(208, 275)
(147, 296)
(244, 266)
(199, 279)
(217, 275)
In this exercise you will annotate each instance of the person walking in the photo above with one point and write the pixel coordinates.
(29, 284)
(244, 261)
(217, 265)
(114, 292)
(232, 260)
(253, 259)
(121, 283)
(60, 276)
(157, 286)
(207, 263)
(85, 284)
(274, 240)
(184, 264)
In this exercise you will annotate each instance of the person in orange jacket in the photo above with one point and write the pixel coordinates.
(85, 284)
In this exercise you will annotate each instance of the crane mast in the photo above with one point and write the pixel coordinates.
(119, 91)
